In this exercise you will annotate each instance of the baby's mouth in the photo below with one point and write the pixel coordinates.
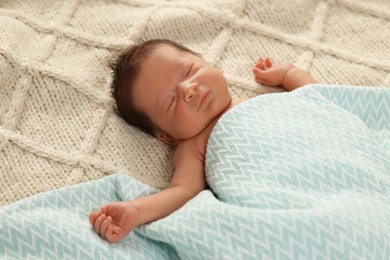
(202, 98)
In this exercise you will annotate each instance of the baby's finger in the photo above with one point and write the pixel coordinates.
(94, 215)
(260, 64)
(92, 218)
(104, 226)
(112, 234)
(259, 72)
(260, 80)
(98, 223)
(255, 72)
(268, 62)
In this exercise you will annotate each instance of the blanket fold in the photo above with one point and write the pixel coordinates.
(299, 175)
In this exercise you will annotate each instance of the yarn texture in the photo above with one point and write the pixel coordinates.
(57, 121)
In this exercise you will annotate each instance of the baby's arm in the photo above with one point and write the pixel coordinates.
(282, 74)
(116, 220)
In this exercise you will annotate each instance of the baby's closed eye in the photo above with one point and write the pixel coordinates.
(170, 102)
(189, 70)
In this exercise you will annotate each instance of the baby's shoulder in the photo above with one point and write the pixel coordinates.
(190, 153)
(193, 148)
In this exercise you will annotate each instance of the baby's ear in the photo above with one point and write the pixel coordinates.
(166, 138)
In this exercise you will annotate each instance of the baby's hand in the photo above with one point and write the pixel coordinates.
(270, 74)
(115, 220)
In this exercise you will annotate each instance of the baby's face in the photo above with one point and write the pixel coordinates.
(180, 92)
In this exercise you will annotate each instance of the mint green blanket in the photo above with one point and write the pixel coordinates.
(304, 174)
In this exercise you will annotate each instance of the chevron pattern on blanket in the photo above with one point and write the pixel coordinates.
(55, 225)
(311, 182)
(314, 163)
(57, 125)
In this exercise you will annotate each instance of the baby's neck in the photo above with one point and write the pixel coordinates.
(233, 102)
(236, 101)
(205, 133)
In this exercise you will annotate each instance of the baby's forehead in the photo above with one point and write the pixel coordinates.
(166, 55)
(177, 50)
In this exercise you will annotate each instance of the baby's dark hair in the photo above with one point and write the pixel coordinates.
(126, 69)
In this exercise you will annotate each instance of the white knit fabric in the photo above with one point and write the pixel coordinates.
(57, 125)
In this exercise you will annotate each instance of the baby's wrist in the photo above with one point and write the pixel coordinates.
(133, 205)
(289, 68)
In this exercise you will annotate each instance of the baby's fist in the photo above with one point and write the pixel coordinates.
(270, 74)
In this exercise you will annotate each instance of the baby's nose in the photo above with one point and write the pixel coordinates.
(190, 90)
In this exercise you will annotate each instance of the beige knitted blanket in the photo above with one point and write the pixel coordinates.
(57, 125)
